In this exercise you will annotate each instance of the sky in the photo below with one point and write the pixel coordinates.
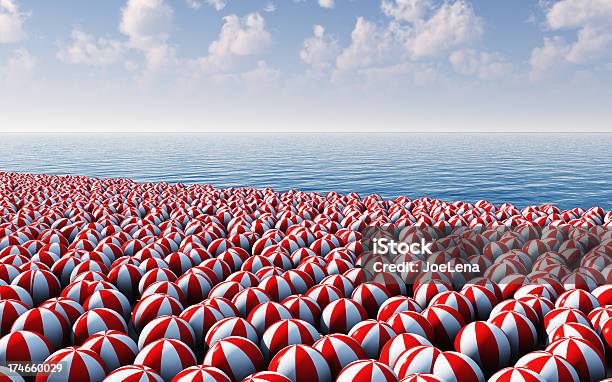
(305, 65)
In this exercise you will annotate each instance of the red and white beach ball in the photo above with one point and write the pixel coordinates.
(171, 327)
(399, 344)
(249, 298)
(397, 304)
(412, 322)
(10, 310)
(577, 299)
(516, 374)
(446, 323)
(303, 308)
(367, 370)
(266, 376)
(230, 327)
(457, 367)
(586, 359)
(134, 373)
(79, 365)
(24, 346)
(486, 344)
(287, 332)
(422, 377)
(341, 315)
(95, 321)
(419, 359)
(201, 373)
(266, 314)
(339, 350)
(235, 356)
(301, 363)
(372, 335)
(167, 357)
(552, 368)
(115, 348)
(371, 296)
(520, 331)
(153, 306)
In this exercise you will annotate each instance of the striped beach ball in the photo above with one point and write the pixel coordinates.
(301, 363)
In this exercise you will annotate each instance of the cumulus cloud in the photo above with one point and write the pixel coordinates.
(244, 36)
(451, 26)
(327, 4)
(262, 75)
(86, 49)
(217, 4)
(406, 10)
(320, 50)
(484, 65)
(592, 20)
(148, 24)
(11, 22)
(370, 45)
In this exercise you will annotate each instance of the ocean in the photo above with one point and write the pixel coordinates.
(569, 170)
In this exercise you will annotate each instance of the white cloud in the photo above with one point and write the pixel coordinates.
(484, 65)
(451, 26)
(148, 24)
(320, 50)
(11, 22)
(327, 4)
(217, 4)
(262, 75)
(244, 36)
(406, 10)
(593, 21)
(545, 59)
(370, 45)
(86, 49)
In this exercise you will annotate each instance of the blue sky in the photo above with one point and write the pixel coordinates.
(305, 65)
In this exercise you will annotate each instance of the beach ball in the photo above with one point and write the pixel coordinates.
(412, 322)
(399, 344)
(15, 292)
(576, 330)
(516, 374)
(577, 299)
(196, 286)
(155, 275)
(82, 365)
(367, 370)
(165, 287)
(237, 357)
(486, 344)
(10, 310)
(115, 348)
(301, 363)
(228, 327)
(519, 307)
(244, 278)
(266, 376)
(40, 284)
(95, 321)
(264, 315)
(552, 368)
(371, 296)
(341, 315)
(324, 294)
(24, 346)
(223, 305)
(565, 315)
(446, 323)
(457, 367)
(134, 373)
(457, 301)
(170, 327)
(68, 308)
(303, 308)
(300, 280)
(249, 298)
(603, 294)
(397, 304)
(287, 332)
(339, 350)
(201, 318)
(225, 289)
(153, 306)
(541, 305)
(520, 331)
(483, 300)
(167, 357)
(586, 359)
(419, 359)
(111, 299)
(201, 373)
(423, 293)
(45, 321)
